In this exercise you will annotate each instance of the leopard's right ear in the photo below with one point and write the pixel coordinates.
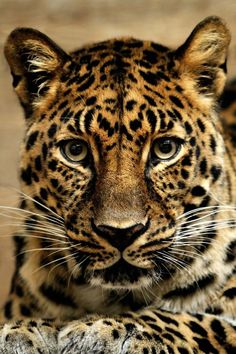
(35, 61)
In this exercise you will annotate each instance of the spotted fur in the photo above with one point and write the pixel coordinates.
(123, 251)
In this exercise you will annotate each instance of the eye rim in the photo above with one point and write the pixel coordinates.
(63, 144)
(178, 141)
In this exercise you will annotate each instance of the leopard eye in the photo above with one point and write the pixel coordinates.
(165, 148)
(74, 150)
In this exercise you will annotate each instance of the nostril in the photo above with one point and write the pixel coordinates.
(120, 238)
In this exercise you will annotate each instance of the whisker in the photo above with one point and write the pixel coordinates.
(210, 222)
(18, 211)
(202, 217)
(76, 267)
(43, 249)
(203, 209)
(42, 205)
(55, 260)
(51, 231)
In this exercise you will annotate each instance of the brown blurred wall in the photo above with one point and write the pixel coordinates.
(72, 23)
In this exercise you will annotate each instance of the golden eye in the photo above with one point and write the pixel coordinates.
(165, 148)
(74, 150)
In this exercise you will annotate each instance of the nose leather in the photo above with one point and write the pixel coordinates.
(120, 238)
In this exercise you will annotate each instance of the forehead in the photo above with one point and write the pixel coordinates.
(120, 86)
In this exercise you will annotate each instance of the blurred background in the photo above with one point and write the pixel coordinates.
(72, 23)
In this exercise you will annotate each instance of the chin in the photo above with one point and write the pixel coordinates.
(121, 275)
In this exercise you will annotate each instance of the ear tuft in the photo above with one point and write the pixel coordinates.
(34, 60)
(203, 55)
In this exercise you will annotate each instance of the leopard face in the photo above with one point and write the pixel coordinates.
(122, 142)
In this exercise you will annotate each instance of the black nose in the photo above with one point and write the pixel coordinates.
(120, 238)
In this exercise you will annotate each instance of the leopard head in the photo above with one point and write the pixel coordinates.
(122, 138)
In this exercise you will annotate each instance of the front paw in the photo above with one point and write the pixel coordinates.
(28, 337)
(108, 336)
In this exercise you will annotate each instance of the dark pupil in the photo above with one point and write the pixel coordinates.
(75, 149)
(165, 146)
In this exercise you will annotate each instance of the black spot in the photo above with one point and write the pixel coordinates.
(63, 105)
(149, 77)
(19, 290)
(91, 101)
(135, 124)
(175, 333)
(150, 56)
(19, 242)
(197, 152)
(231, 252)
(25, 311)
(167, 319)
(230, 293)
(201, 125)
(203, 166)
(103, 123)
(132, 78)
(196, 328)
(215, 172)
(169, 350)
(181, 185)
(204, 202)
(52, 165)
(188, 128)
(191, 288)
(86, 85)
(176, 101)
(219, 331)
(186, 161)
(54, 182)
(184, 173)
(57, 296)
(192, 141)
(8, 310)
(159, 47)
(44, 150)
(130, 327)
(88, 120)
(37, 163)
(31, 140)
(124, 131)
(130, 105)
(177, 114)
(151, 119)
(213, 144)
(183, 350)
(26, 175)
(155, 327)
(205, 346)
(198, 191)
(43, 193)
(150, 100)
(52, 130)
(115, 334)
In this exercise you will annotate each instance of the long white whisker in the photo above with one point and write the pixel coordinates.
(55, 260)
(203, 209)
(17, 211)
(42, 205)
(210, 222)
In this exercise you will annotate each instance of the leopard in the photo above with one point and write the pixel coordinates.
(126, 236)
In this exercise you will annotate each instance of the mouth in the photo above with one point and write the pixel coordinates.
(121, 275)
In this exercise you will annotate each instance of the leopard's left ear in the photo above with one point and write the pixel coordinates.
(202, 57)
(35, 60)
